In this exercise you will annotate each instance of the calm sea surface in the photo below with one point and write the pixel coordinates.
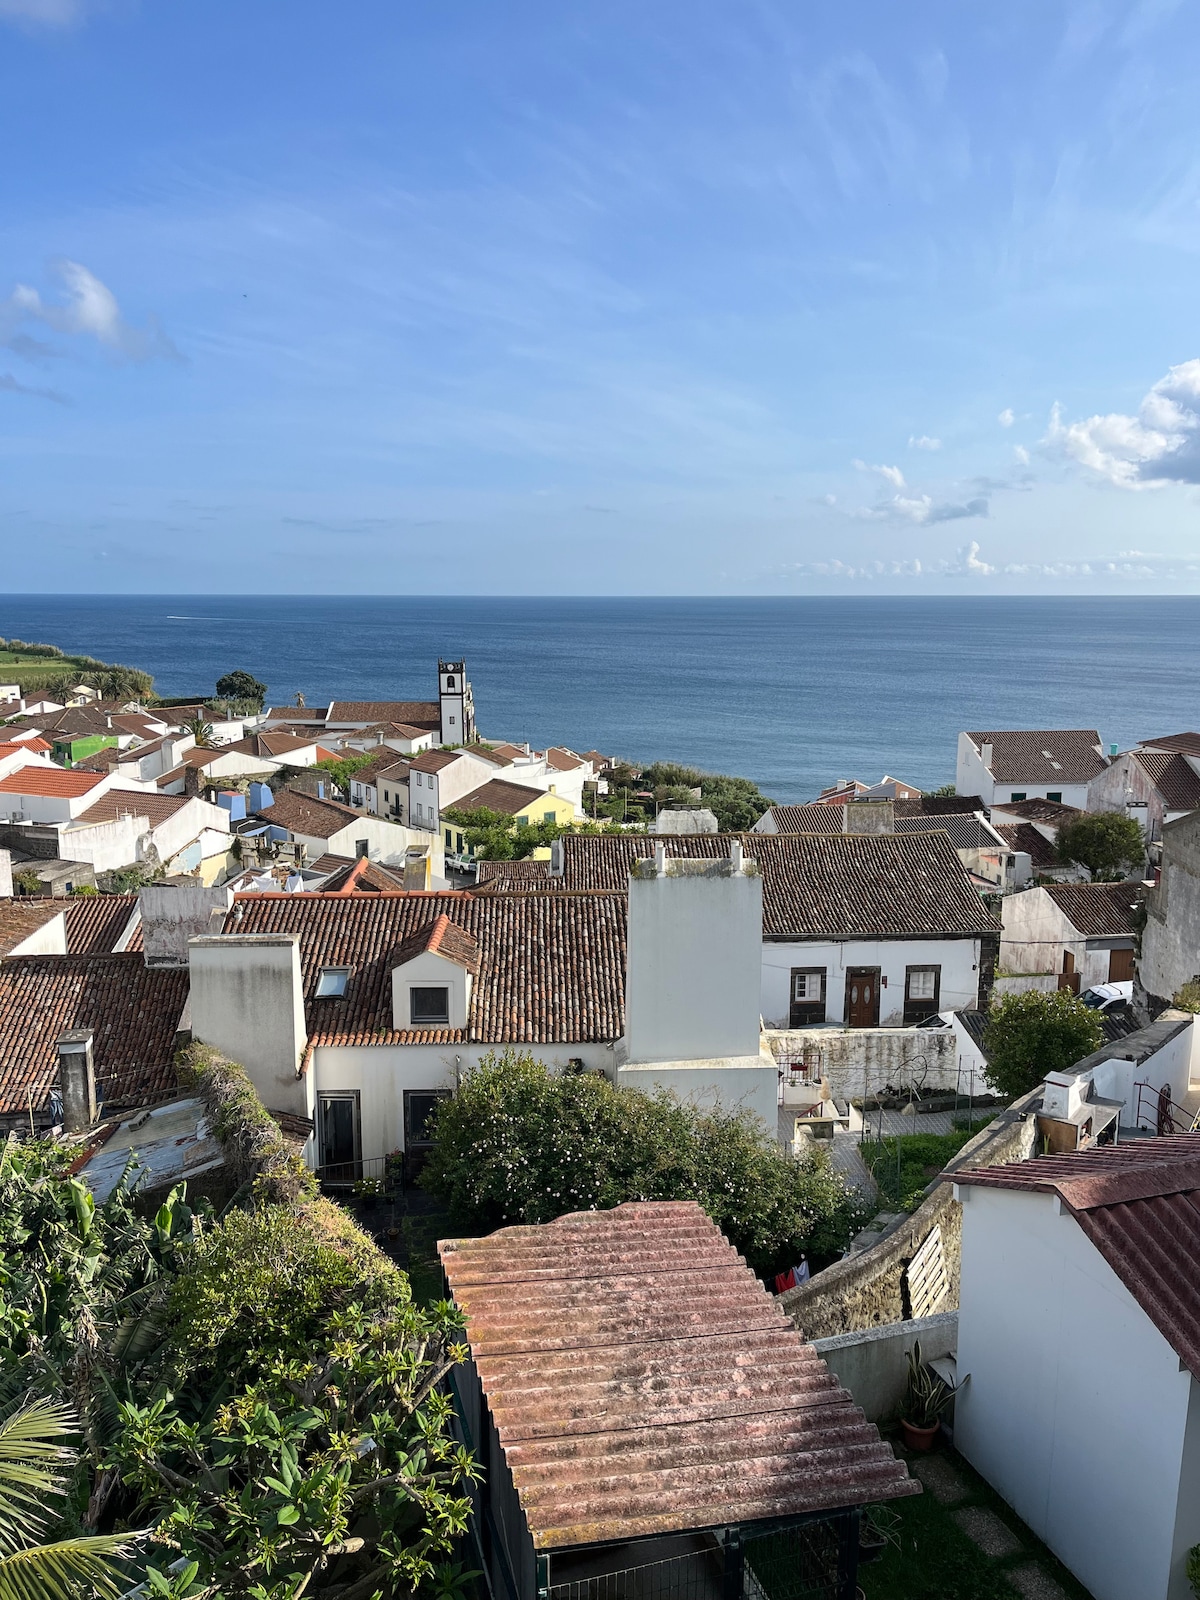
(793, 692)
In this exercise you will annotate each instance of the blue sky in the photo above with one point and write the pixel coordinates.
(600, 298)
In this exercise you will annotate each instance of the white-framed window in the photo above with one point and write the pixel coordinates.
(426, 1005)
(331, 983)
(922, 983)
(806, 986)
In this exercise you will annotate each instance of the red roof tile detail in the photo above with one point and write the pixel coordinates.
(642, 1380)
(96, 921)
(156, 808)
(1098, 910)
(21, 918)
(1019, 755)
(50, 782)
(133, 1010)
(1175, 779)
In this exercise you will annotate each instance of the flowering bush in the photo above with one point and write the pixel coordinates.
(520, 1143)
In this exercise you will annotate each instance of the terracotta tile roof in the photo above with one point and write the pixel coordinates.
(357, 877)
(131, 803)
(434, 760)
(643, 1381)
(386, 763)
(50, 782)
(423, 714)
(138, 723)
(1139, 1204)
(133, 1010)
(498, 794)
(1024, 836)
(95, 922)
(35, 746)
(1043, 755)
(563, 760)
(303, 813)
(815, 885)
(964, 833)
(551, 967)
(20, 918)
(1187, 744)
(1098, 910)
(512, 874)
(812, 818)
(442, 938)
(1040, 810)
(1173, 777)
(940, 805)
(296, 714)
(480, 754)
(402, 730)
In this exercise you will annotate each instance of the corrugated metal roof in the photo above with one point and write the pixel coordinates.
(643, 1381)
(1139, 1204)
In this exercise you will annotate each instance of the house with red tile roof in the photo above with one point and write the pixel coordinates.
(1079, 1340)
(1083, 933)
(1156, 782)
(1030, 763)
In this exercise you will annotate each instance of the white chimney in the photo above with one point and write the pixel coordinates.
(174, 913)
(694, 989)
(985, 755)
(77, 1079)
(247, 1000)
(6, 881)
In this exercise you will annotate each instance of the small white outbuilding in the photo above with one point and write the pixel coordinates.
(1079, 1338)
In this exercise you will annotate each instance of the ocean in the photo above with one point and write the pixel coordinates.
(792, 692)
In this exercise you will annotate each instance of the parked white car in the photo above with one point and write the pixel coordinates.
(1109, 996)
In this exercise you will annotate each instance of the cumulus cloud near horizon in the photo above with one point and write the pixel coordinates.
(89, 309)
(968, 561)
(1157, 447)
(923, 441)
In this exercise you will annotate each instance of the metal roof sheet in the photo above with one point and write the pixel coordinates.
(643, 1381)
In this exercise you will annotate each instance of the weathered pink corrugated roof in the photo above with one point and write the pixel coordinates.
(1139, 1204)
(643, 1381)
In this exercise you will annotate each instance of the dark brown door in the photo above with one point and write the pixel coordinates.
(1120, 966)
(862, 997)
(1068, 978)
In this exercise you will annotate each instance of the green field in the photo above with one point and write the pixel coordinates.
(42, 667)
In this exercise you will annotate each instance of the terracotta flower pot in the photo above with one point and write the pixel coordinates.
(918, 1438)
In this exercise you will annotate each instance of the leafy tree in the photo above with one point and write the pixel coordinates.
(946, 789)
(342, 768)
(35, 1470)
(241, 685)
(1104, 842)
(1028, 1035)
(736, 803)
(520, 1144)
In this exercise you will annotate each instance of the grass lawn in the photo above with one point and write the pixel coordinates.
(902, 1167)
(936, 1560)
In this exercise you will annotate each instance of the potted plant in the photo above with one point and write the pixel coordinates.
(368, 1190)
(880, 1526)
(925, 1400)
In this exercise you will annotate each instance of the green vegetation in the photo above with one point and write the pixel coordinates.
(903, 1167)
(260, 1401)
(1028, 1035)
(929, 1557)
(1187, 997)
(242, 688)
(342, 768)
(1106, 843)
(44, 669)
(636, 796)
(519, 1144)
(496, 836)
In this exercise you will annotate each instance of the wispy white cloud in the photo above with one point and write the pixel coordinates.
(923, 509)
(969, 562)
(923, 442)
(88, 308)
(1007, 417)
(1157, 447)
(42, 13)
(1021, 455)
(11, 385)
(892, 475)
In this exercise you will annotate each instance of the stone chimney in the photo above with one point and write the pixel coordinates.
(173, 913)
(247, 1000)
(6, 881)
(869, 816)
(77, 1079)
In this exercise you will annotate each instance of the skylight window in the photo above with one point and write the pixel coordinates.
(331, 985)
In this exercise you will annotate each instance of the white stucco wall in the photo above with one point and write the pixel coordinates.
(749, 1083)
(425, 971)
(1075, 1409)
(1171, 941)
(386, 842)
(247, 1001)
(381, 1073)
(970, 774)
(958, 959)
(695, 936)
(48, 940)
(107, 845)
(1037, 934)
(188, 823)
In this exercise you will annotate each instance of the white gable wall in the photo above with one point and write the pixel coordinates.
(958, 959)
(1076, 1409)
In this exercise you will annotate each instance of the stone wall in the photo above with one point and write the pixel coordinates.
(855, 1062)
(867, 1289)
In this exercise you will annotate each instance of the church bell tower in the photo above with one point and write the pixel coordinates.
(456, 703)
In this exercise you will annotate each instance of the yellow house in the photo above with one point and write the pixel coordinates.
(527, 807)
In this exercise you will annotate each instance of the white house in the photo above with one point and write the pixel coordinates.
(381, 787)
(859, 930)
(37, 792)
(359, 1010)
(1030, 763)
(1171, 941)
(1082, 931)
(327, 827)
(1155, 783)
(177, 832)
(1079, 1340)
(439, 779)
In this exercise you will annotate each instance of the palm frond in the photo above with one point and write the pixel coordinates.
(33, 1464)
(71, 1567)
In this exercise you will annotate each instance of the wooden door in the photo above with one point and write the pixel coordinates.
(862, 997)
(1120, 966)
